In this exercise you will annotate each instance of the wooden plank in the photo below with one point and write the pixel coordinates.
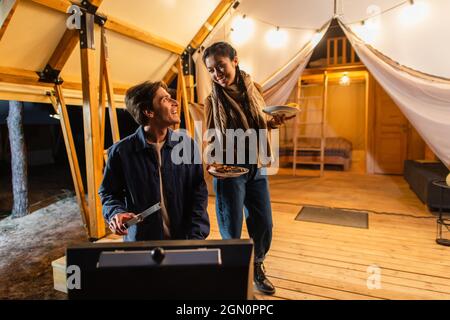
(335, 53)
(72, 155)
(425, 280)
(64, 49)
(408, 286)
(58, 5)
(21, 76)
(179, 99)
(189, 80)
(102, 96)
(109, 90)
(344, 50)
(171, 74)
(94, 152)
(329, 52)
(318, 290)
(187, 117)
(324, 122)
(133, 32)
(7, 20)
(339, 280)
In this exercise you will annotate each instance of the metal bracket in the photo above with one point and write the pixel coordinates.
(187, 61)
(89, 7)
(100, 19)
(87, 31)
(50, 75)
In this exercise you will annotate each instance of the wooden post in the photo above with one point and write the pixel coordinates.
(18, 159)
(296, 127)
(189, 80)
(109, 90)
(179, 98)
(94, 152)
(71, 154)
(187, 118)
(102, 99)
(324, 121)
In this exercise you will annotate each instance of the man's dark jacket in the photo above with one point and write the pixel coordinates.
(131, 184)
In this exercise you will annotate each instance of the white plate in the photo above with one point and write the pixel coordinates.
(212, 170)
(280, 110)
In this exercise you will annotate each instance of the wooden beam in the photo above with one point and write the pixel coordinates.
(94, 153)
(8, 19)
(180, 104)
(133, 32)
(204, 31)
(29, 77)
(64, 49)
(102, 99)
(211, 22)
(171, 74)
(58, 5)
(69, 40)
(109, 90)
(21, 76)
(72, 155)
(187, 116)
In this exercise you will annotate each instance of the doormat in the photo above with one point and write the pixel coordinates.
(340, 217)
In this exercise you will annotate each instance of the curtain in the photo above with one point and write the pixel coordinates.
(424, 99)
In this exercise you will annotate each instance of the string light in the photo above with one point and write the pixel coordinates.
(276, 38)
(414, 13)
(242, 29)
(406, 2)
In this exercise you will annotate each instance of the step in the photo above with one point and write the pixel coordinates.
(308, 149)
(309, 162)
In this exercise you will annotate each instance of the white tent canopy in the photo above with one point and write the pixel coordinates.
(410, 35)
(408, 32)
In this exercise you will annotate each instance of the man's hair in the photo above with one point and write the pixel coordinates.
(140, 98)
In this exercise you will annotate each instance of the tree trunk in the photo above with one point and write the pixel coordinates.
(18, 160)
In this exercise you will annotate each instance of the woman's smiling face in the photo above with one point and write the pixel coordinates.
(221, 69)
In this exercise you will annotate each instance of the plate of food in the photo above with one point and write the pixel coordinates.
(287, 111)
(225, 171)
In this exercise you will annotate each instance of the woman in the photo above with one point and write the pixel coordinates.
(236, 103)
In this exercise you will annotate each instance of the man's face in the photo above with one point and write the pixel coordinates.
(165, 109)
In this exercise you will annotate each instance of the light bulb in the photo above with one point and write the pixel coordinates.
(345, 80)
(276, 38)
(414, 12)
(241, 30)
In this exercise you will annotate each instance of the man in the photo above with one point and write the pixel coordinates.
(140, 172)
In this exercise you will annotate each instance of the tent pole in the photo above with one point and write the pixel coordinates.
(71, 153)
(109, 90)
(187, 119)
(94, 152)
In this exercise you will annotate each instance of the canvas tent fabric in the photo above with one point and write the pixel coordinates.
(424, 100)
(35, 31)
(410, 35)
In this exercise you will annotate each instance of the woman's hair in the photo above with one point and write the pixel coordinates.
(224, 49)
(140, 98)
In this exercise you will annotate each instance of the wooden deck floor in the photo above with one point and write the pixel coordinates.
(319, 261)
